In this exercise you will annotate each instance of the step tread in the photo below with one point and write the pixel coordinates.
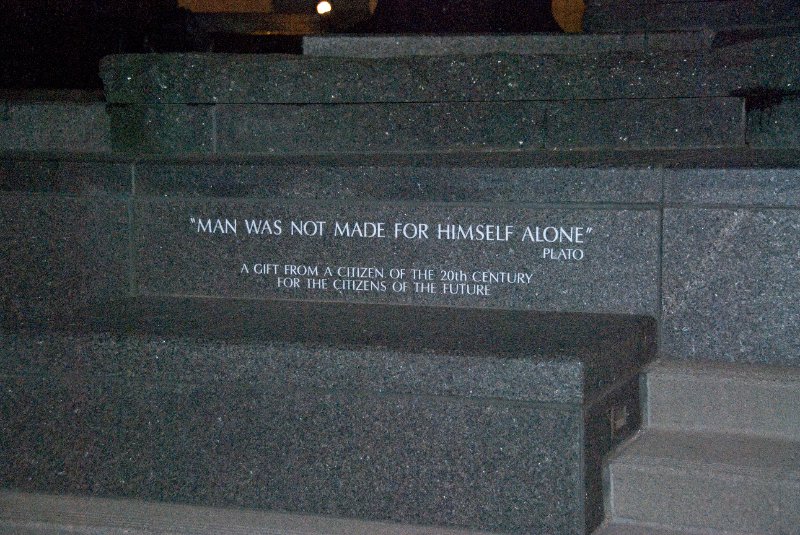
(624, 528)
(715, 453)
(384, 46)
(40, 514)
(726, 371)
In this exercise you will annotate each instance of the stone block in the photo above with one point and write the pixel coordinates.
(775, 124)
(386, 46)
(708, 481)
(66, 257)
(429, 416)
(646, 123)
(380, 128)
(579, 259)
(765, 64)
(69, 176)
(769, 186)
(54, 127)
(162, 129)
(730, 290)
(444, 127)
(724, 398)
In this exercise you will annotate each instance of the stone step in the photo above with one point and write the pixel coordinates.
(53, 121)
(724, 398)
(389, 46)
(627, 528)
(751, 66)
(667, 15)
(82, 127)
(487, 420)
(42, 514)
(428, 127)
(707, 481)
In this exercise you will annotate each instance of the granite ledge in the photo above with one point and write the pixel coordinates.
(519, 356)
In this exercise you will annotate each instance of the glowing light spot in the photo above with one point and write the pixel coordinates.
(324, 8)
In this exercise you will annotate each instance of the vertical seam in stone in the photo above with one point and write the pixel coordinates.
(131, 231)
(743, 125)
(214, 143)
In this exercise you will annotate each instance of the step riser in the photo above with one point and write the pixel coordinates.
(82, 128)
(510, 126)
(726, 405)
(697, 500)
(221, 78)
(345, 46)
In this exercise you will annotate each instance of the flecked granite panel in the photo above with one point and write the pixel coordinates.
(776, 187)
(441, 461)
(385, 46)
(731, 289)
(66, 256)
(492, 179)
(618, 259)
(543, 357)
(65, 175)
(442, 410)
(775, 124)
(54, 126)
(225, 78)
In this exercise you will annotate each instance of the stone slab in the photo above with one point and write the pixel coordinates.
(645, 123)
(65, 256)
(730, 290)
(386, 46)
(662, 16)
(536, 178)
(397, 128)
(354, 349)
(500, 266)
(708, 481)
(164, 129)
(42, 514)
(775, 125)
(332, 428)
(778, 187)
(68, 176)
(225, 78)
(54, 126)
(724, 398)
(627, 528)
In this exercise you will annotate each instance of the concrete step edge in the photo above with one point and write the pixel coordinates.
(621, 526)
(716, 455)
(49, 514)
(725, 371)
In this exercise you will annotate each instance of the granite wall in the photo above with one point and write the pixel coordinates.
(705, 242)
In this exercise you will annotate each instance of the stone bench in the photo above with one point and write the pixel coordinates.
(491, 420)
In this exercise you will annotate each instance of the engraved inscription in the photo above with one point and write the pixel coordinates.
(504, 256)
(550, 242)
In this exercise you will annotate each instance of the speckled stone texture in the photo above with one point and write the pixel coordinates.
(475, 420)
(404, 128)
(174, 128)
(614, 269)
(386, 46)
(775, 124)
(64, 231)
(54, 126)
(730, 284)
(223, 78)
(661, 15)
